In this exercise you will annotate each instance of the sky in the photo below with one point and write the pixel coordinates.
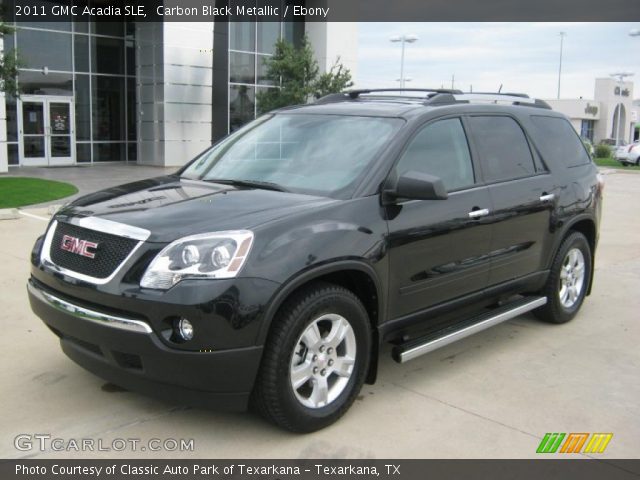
(523, 57)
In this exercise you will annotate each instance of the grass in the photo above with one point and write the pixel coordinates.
(20, 191)
(610, 162)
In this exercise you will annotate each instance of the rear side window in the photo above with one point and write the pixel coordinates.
(440, 149)
(557, 140)
(503, 148)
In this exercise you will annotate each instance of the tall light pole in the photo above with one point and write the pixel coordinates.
(403, 39)
(562, 35)
(620, 77)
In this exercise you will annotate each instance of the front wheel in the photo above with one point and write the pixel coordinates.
(568, 280)
(315, 360)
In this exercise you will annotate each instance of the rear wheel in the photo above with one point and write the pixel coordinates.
(568, 280)
(315, 359)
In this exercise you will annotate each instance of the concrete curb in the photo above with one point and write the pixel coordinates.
(9, 214)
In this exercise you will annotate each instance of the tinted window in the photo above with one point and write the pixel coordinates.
(558, 140)
(503, 148)
(440, 149)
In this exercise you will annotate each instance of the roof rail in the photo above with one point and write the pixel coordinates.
(513, 98)
(440, 96)
(356, 93)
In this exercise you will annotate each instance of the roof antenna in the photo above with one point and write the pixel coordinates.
(500, 89)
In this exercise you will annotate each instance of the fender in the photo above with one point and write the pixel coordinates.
(316, 272)
(563, 233)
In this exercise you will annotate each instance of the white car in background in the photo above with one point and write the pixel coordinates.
(628, 154)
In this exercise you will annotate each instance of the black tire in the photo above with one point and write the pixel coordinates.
(554, 311)
(273, 396)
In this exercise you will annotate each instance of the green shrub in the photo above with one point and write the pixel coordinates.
(603, 151)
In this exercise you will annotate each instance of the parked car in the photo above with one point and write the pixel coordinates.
(271, 269)
(629, 154)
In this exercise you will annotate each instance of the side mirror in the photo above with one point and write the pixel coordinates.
(416, 186)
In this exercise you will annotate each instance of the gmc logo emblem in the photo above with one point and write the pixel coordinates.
(78, 246)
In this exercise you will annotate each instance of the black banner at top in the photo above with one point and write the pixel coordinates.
(321, 10)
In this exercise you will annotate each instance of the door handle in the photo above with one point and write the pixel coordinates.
(479, 213)
(547, 197)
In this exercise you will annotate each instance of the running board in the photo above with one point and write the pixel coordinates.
(419, 346)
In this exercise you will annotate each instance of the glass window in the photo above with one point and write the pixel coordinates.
(262, 70)
(131, 109)
(242, 67)
(83, 108)
(8, 42)
(12, 152)
(242, 100)
(503, 148)
(83, 152)
(132, 152)
(242, 36)
(268, 34)
(559, 141)
(109, 152)
(108, 108)
(107, 55)
(115, 29)
(45, 49)
(131, 57)
(81, 52)
(440, 149)
(36, 83)
(12, 120)
(316, 154)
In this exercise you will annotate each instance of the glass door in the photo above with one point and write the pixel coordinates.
(47, 135)
(34, 138)
(60, 132)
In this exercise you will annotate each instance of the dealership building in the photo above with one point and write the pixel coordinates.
(152, 93)
(597, 119)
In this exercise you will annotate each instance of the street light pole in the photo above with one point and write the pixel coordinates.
(403, 39)
(562, 35)
(620, 76)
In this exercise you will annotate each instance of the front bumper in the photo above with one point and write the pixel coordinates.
(128, 353)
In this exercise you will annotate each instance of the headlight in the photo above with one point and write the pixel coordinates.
(208, 255)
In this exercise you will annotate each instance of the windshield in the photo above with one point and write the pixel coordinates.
(315, 154)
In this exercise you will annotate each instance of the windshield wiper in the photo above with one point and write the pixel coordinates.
(248, 183)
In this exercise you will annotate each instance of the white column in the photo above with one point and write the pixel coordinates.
(333, 40)
(174, 76)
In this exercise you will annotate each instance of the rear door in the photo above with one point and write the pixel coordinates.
(438, 248)
(522, 193)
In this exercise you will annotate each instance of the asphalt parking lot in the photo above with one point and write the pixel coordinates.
(493, 395)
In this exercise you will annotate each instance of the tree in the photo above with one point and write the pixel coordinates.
(9, 65)
(296, 72)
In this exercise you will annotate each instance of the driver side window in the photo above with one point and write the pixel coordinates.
(440, 149)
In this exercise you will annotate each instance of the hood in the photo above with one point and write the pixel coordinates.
(171, 207)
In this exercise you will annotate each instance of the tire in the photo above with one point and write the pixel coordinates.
(297, 351)
(567, 284)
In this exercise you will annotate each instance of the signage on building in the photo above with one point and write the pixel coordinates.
(625, 92)
(591, 110)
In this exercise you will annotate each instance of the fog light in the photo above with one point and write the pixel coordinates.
(185, 329)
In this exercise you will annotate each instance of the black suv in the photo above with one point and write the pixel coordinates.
(271, 268)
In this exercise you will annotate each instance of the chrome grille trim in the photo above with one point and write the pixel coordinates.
(100, 225)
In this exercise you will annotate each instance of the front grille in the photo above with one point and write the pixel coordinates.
(109, 254)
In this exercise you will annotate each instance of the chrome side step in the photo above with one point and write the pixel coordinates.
(414, 348)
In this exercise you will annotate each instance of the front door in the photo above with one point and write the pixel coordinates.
(439, 249)
(47, 136)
